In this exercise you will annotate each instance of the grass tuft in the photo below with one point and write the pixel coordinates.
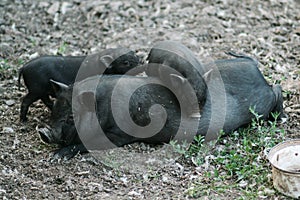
(236, 163)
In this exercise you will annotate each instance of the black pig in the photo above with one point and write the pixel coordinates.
(38, 72)
(234, 86)
(175, 58)
(150, 93)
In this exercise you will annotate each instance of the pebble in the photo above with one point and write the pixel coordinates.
(269, 191)
(53, 8)
(280, 39)
(133, 193)
(10, 102)
(65, 7)
(165, 179)
(32, 56)
(43, 4)
(7, 130)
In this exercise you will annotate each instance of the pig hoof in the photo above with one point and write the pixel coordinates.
(66, 153)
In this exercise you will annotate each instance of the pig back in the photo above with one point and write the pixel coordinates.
(243, 87)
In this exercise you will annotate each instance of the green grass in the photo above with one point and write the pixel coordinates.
(4, 65)
(20, 62)
(236, 163)
(33, 41)
(62, 48)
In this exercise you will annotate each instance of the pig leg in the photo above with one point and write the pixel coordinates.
(26, 102)
(47, 101)
(278, 101)
(70, 151)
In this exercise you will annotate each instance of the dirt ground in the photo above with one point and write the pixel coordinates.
(267, 30)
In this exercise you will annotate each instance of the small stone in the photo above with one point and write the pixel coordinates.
(210, 10)
(7, 130)
(165, 179)
(146, 177)
(221, 14)
(243, 184)
(10, 102)
(43, 4)
(280, 68)
(76, 53)
(2, 191)
(115, 5)
(280, 39)
(65, 7)
(269, 191)
(56, 18)
(35, 55)
(133, 193)
(53, 8)
(124, 180)
(53, 51)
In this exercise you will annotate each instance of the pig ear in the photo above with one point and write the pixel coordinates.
(207, 75)
(87, 99)
(58, 87)
(177, 81)
(107, 60)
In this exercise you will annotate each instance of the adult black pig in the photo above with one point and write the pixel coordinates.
(234, 86)
(148, 92)
(175, 58)
(38, 72)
